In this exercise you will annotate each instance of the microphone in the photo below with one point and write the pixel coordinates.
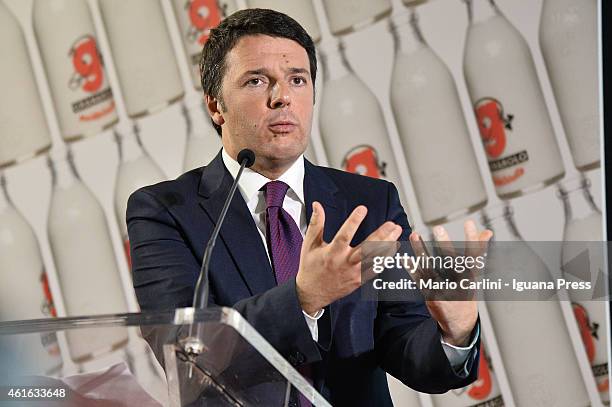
(249, 156)
(246, 159)
(192, 345)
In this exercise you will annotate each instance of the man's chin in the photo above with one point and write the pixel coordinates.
(285, 144)
(283, 153)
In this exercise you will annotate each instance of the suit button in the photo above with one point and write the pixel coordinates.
(296, 358)
(292, 404)
(292, 359)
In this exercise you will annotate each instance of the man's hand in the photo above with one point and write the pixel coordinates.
(455, 318)
(330, 271)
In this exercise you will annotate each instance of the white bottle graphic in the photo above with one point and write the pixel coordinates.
(23, 127)
(203, 142)
(402, 395)
(302, 11)
(84, 259)
(512, 117)
(310, 153)
(533, 340)
(351, 121)
(195, 19)
(568, 38)
(82, 96)
(583, 224)
(412, 3)
(143, 54)
(345, 16)
(24, 290)
(432, 128)
(483, 392)
(136, 169)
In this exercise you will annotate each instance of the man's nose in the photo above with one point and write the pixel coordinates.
(279, 97)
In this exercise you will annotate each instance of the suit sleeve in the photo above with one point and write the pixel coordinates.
(407, 339)
(165, 271)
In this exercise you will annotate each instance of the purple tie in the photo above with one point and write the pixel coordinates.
(285, 243)
(284, 237)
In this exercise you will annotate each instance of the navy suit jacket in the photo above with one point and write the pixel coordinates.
(169, 224)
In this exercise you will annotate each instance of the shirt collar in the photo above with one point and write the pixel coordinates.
(251, 182)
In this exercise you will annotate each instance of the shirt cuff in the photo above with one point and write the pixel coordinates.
(311, 321)
(458, 356)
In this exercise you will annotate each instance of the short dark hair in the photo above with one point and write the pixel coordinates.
(253, 21)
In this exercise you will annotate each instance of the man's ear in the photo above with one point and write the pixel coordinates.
(214, 109)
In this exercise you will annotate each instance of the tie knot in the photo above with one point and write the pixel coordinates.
(275, 193)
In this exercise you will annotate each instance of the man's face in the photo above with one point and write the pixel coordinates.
(267, 96)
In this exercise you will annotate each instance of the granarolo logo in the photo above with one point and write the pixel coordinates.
(364, 160)
(589, 331)
(88, 77)
(481, 388)
(203, 16)
(493, 123)
(87, 63)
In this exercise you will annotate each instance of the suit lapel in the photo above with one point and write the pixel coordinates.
(319, 187)
(238, 228)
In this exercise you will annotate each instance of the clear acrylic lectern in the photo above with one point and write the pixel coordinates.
(140, 359)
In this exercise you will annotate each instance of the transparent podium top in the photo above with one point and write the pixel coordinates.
(185, 357)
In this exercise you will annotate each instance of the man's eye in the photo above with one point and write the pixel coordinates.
(298, 80)
(254, 81)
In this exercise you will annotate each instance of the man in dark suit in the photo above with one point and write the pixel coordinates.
(289, 255)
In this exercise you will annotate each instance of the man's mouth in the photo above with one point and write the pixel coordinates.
(282, 126)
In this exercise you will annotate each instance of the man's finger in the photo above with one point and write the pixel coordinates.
(417, 245)
(420, 250)
(485, 237)
(314, 232)
(471, 231)
(389, 232)
(443, 241)
(382, 232)
(349, 227)
(472, 242)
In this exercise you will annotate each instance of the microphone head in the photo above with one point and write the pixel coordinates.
(248, 155)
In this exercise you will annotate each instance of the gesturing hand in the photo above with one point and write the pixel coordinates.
(455, 318)
(330, 271)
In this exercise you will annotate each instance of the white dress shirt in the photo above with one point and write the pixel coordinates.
(249, 186)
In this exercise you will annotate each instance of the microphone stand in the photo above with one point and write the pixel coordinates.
(193, 345)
